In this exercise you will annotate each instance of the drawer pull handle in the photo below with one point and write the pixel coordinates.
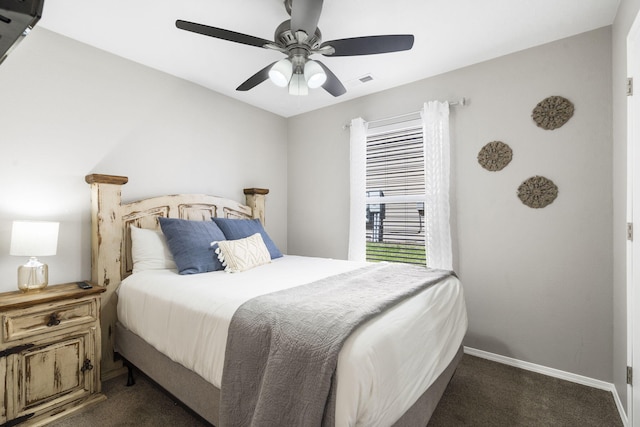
(54, 320)
(87, 366)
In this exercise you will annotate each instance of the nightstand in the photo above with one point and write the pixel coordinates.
(49, 353)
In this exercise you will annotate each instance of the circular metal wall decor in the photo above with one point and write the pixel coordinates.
(495, 155)
(537, 192)
(552, 112)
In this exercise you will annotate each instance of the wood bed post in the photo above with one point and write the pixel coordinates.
(256, 201)
(106, 240)
(105, 192)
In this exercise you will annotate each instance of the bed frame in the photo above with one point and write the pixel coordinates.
(111, 263)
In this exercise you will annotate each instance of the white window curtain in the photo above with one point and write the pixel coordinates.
(435, 119)
(358, 171)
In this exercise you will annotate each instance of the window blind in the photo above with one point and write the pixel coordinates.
(395, 186)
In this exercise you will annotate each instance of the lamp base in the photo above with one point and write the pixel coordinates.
(33, 276)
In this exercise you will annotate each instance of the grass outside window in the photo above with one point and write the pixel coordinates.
(396, 252)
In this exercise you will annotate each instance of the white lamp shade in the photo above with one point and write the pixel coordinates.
(280, 73)
(34, 238)
(314, 74)
(298, 86)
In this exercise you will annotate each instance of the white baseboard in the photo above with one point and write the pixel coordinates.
(556, 373)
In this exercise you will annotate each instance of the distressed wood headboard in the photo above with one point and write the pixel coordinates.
(111, 237)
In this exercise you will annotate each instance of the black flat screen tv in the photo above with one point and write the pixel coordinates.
(17, 18)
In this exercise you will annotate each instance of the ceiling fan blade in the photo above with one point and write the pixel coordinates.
(220, 33)
(369, 45)
(256, 79)
(332, 85)
(305, 15)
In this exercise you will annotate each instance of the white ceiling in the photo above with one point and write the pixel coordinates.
(449, 34)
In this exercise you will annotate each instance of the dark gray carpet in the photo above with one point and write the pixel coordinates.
(486, 393)
(142, 405)
(481, 393)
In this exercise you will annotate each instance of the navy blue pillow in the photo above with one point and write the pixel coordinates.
(235, 229)
(190, 244)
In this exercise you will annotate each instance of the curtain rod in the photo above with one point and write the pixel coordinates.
(462, 102)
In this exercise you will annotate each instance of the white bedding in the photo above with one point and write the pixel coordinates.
(383, 367)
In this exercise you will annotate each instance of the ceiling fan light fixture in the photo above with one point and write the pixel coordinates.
(314, 74)
(298, 85)
(280, 73)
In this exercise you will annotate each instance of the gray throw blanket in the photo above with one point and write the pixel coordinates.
(282, 348)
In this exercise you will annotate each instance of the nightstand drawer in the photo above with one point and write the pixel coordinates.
(20, 324)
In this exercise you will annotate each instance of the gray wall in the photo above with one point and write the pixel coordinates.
(627, 12)
(537, 282)
(68, 110)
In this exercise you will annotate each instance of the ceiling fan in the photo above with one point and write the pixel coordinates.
(299, 38)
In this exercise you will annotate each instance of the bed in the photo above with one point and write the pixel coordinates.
(391, 370)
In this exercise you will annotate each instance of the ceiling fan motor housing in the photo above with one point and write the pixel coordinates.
(285, 37)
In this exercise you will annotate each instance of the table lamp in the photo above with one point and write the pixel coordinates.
(33, 239)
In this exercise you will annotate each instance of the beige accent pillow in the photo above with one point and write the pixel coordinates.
(242, 254)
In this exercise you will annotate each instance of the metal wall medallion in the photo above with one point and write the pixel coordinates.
(495, 155)
(552, 112)
(537, 192)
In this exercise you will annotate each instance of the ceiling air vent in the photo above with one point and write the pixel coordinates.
(359, 81)
(17, 18)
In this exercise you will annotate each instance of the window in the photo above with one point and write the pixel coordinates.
(391, 209)
(395, 193)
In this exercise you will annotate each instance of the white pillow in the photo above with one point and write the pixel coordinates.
(242, 254)
(149, 250)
